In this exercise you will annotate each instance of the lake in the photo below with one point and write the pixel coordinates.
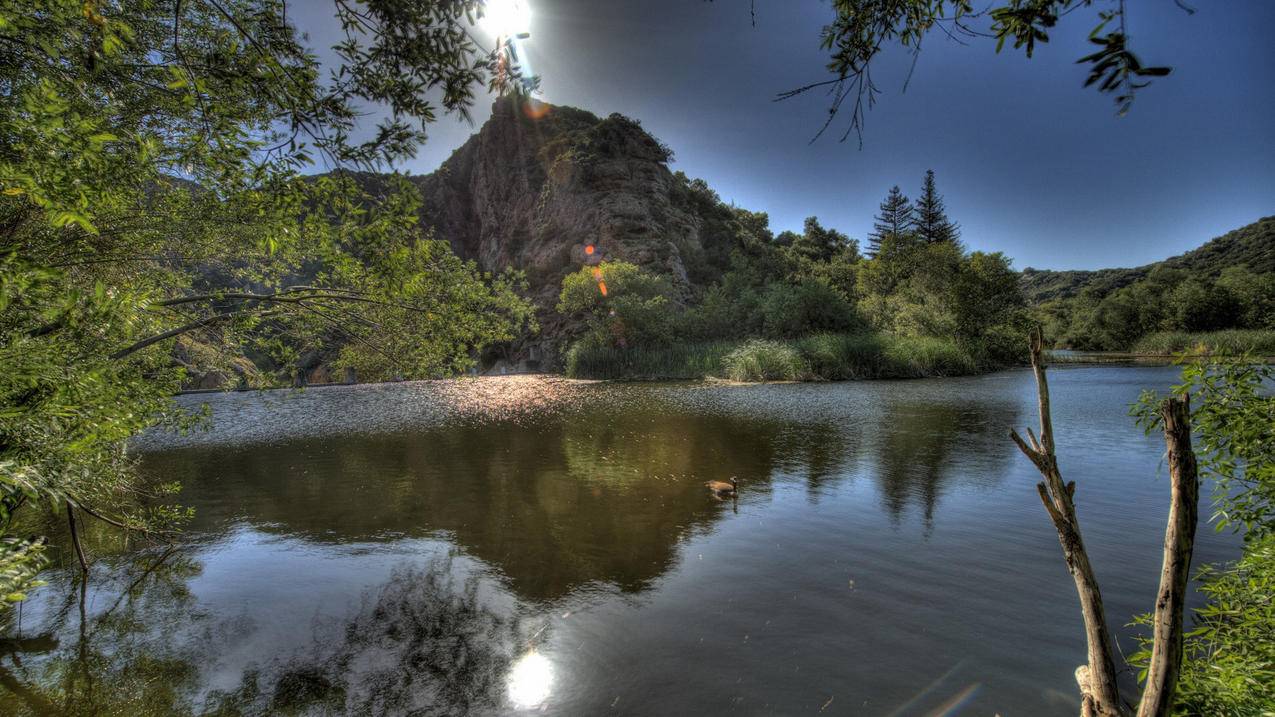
(530, 544)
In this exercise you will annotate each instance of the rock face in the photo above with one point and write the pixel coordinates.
(539, 183)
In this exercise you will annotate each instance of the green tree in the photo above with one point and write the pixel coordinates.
(622, 305)
(1196, 305)
(1254, 295)
(896, 218)
(819, 244)
(149, 192)
(1229, 665)
(932, 223)
(809, 306)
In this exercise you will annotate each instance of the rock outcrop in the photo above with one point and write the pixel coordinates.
(539, 184)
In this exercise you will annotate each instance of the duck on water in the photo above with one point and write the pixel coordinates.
(721, 488)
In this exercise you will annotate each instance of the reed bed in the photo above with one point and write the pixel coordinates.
(822, 357)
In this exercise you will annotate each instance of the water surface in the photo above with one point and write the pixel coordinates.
(527, 544)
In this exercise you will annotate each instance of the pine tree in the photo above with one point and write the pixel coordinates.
(932, 223)
(896, 218)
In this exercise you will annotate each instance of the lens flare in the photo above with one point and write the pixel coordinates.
(530, 680)
(535, 109)
(958, 702)
(602, 286)
(589, 249)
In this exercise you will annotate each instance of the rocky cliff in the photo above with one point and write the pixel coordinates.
(539, 184)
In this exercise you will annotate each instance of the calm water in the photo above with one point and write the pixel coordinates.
(523, 544)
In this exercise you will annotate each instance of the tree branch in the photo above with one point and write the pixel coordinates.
(178, 331)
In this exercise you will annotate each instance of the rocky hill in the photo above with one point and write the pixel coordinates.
(1252, 246)
(539, 185)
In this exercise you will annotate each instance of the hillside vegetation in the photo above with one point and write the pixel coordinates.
(1218, 298)
(1252, 246)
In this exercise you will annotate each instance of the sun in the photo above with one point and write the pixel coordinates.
(506, 18)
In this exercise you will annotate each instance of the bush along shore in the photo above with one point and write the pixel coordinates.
(822, 357)
(1233, 342)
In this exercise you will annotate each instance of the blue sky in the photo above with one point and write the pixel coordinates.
(1029, 161)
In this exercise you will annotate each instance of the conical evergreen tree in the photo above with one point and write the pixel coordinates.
(932, 223)
(896, 218)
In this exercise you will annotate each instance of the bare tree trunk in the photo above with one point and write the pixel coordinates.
(1100, 696)
(1097, 680)
(1179, 542)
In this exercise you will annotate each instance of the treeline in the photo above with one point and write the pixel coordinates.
(917, 281)
(1169, 310)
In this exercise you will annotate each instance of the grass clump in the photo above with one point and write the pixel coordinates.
(761, 360)
(839, 357)
(586, 359)
(1232, 342)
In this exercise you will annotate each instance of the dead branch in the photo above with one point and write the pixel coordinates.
(1179, 542)
(1099, 692)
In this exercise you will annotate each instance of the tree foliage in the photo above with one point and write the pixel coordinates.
(1167, 299)
(861, 29)
(895, 219)
(794, 285)
(1229, 665)
(621, 304)
(932, 223)
(149, 193)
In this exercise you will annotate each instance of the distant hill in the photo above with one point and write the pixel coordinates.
(1252, 246)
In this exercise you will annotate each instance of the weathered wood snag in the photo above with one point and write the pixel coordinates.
(1179, 542)
(1099, 690)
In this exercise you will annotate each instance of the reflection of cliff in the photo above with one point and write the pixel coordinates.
(931, 445)
(552, 506)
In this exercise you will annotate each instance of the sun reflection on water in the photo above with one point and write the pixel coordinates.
(530, 680)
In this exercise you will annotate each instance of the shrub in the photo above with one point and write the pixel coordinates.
(833, 357)
(764, 361)
(839, 357)
(790, 310)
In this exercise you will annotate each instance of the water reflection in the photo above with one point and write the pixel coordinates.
(530, 680)
(564, 555)
(425, 642)
(599, 497)
(554, 506)
(107, 650)
(931, 445)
